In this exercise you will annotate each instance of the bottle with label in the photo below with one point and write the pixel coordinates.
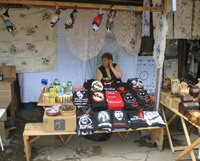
(69, 87)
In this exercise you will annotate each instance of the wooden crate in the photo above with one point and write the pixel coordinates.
(8, 71)
(166, 99)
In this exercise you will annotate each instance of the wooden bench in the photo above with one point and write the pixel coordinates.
(33, 131)
(5, 102)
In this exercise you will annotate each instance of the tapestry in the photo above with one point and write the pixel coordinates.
(81, 40)
(171, 68)
(183, 19)
(158, 3)
(146, 19)
(146, 71)
(133, 48)
(32, 48)
(196, 21)
(160, 40)
(124, 27)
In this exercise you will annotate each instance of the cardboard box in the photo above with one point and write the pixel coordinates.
(59, 123)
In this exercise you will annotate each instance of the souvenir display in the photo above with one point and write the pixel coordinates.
(184, 89)
(194, 91)
(175, 85)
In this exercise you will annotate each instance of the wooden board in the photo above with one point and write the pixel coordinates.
(8, 71)
(36, 129)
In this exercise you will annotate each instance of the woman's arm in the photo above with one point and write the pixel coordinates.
(117, 72)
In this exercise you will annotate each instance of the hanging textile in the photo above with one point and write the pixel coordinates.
(135, 44)
(146, 19)
(124, 26)
(81, 40)
(33, 46)
(196, 21)
(160, 40)
(183, 19)
(193, 58)
(158, 3)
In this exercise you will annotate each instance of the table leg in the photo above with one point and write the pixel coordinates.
(157, 135)
(188, 149)
(187, 139)
(27, 148)
(167, 129)
(12, 105)
(43, 107)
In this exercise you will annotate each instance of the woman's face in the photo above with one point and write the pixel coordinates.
(105, 62)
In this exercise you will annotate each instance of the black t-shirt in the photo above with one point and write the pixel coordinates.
(136, 120)
(109, 84)
(102, 120)
(98, 101)
(119, 119)
(80, 99)
(143, 98)
(85, 125)
(130, 102)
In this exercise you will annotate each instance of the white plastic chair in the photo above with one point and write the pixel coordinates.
(1, 144)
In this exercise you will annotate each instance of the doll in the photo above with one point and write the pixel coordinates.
(9, 25)
(97, 21)
(109, 22)
(70, 21)
(55, 18)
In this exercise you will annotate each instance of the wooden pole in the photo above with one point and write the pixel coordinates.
(79, 5)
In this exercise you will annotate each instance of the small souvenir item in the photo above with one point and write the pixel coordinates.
(184, 90)
(53, 111)
(97, 21)
(44, 83)
(111, 16)
(175, 84)
(194, 91)
(198, 84)
(71, 20)
(55, 18)
(69, 87)
(46, 97)
(166, 85)
(9, 25)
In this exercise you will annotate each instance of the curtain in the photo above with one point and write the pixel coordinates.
(33, 47)
(81, 40)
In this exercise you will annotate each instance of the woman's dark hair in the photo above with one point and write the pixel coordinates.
(107, 55)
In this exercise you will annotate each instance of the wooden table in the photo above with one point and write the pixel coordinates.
(171, 103)
(40, 103)
(9, 92)
(33, 131)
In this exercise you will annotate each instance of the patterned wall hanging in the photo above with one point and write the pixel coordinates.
(196, 20)
(171, 68)
(146, 19)
(124, 27)
(158, 3)
(82, 41)
(135, 44)
(160, 40)
(146, 71)
(33, 47)
(183, 19)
